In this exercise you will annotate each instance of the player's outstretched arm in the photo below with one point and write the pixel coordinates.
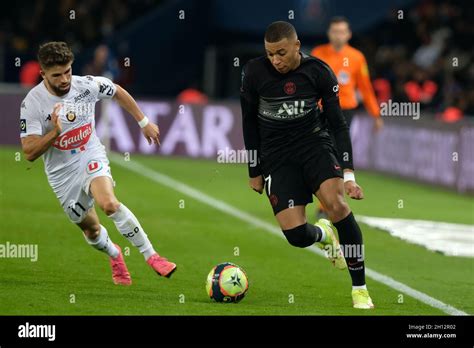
(338, 125)
(126, 101)
(249, 105)
(36, 145)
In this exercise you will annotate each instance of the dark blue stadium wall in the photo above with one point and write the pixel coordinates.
(173, 50)
(170, 49)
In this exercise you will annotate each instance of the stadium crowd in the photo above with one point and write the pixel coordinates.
(423, 54)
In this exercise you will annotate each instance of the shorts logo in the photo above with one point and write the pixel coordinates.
(93, 166)
(22, 125)
(273, 200)
(71, 116)
(290, 88)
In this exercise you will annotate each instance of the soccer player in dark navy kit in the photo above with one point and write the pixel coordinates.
(288, 133)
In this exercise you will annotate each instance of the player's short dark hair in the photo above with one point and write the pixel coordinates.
(279, 30)
(54, 53)
(339, 19)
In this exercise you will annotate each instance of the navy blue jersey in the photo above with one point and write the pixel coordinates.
(280, 112)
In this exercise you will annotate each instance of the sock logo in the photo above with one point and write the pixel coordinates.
(131, 234)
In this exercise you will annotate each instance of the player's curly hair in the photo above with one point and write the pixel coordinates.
(54, 53)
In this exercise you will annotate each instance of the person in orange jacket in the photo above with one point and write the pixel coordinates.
(350, 67)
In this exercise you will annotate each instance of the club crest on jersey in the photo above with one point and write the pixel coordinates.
(71, 116)
(290, 88)
(93, 166)
(74, 140)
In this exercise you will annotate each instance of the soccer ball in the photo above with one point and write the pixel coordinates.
(227, 282)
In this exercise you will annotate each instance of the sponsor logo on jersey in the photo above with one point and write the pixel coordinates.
(286, 110)
(22, 125)
(82, 95)
(295, 108)
(105, 88)
(289, 88)
(93, 166)
(74, 139)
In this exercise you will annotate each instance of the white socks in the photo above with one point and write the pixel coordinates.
(323, 234)
(103, 243)
(130, 228)
(359, 287)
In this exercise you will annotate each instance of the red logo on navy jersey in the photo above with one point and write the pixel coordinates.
(290, 88)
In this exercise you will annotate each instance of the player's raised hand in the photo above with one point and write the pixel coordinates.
(353, 190)
(55, 119)
(152, 133)
(256, 184)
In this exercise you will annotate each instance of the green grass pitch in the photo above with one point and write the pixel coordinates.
(71, 278)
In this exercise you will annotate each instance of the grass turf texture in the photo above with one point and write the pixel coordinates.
(197, 237)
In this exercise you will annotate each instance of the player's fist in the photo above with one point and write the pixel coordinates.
(152, 133)
(353, 190)
(256, 184)
(55, 119)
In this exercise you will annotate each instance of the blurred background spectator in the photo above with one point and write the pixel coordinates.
(418, 51)
(103, 64)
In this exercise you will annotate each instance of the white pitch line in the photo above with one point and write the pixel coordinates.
(257, 222)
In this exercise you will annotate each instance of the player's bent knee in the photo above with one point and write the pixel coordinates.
(110, 206)
(339, 209)
(299, 236)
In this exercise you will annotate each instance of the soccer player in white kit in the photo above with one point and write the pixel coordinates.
(57, 122)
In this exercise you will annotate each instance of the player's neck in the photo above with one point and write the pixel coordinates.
(298, 62)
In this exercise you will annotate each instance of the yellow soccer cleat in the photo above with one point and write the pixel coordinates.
(361, 299)
(330, 244)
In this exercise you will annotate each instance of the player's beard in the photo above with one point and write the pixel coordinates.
(58, 90)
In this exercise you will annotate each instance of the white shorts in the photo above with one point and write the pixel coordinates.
(74, 194)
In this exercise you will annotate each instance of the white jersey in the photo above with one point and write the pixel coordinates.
(78, 137)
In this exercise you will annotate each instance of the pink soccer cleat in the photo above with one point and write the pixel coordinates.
(120, 273)
(161, 265)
